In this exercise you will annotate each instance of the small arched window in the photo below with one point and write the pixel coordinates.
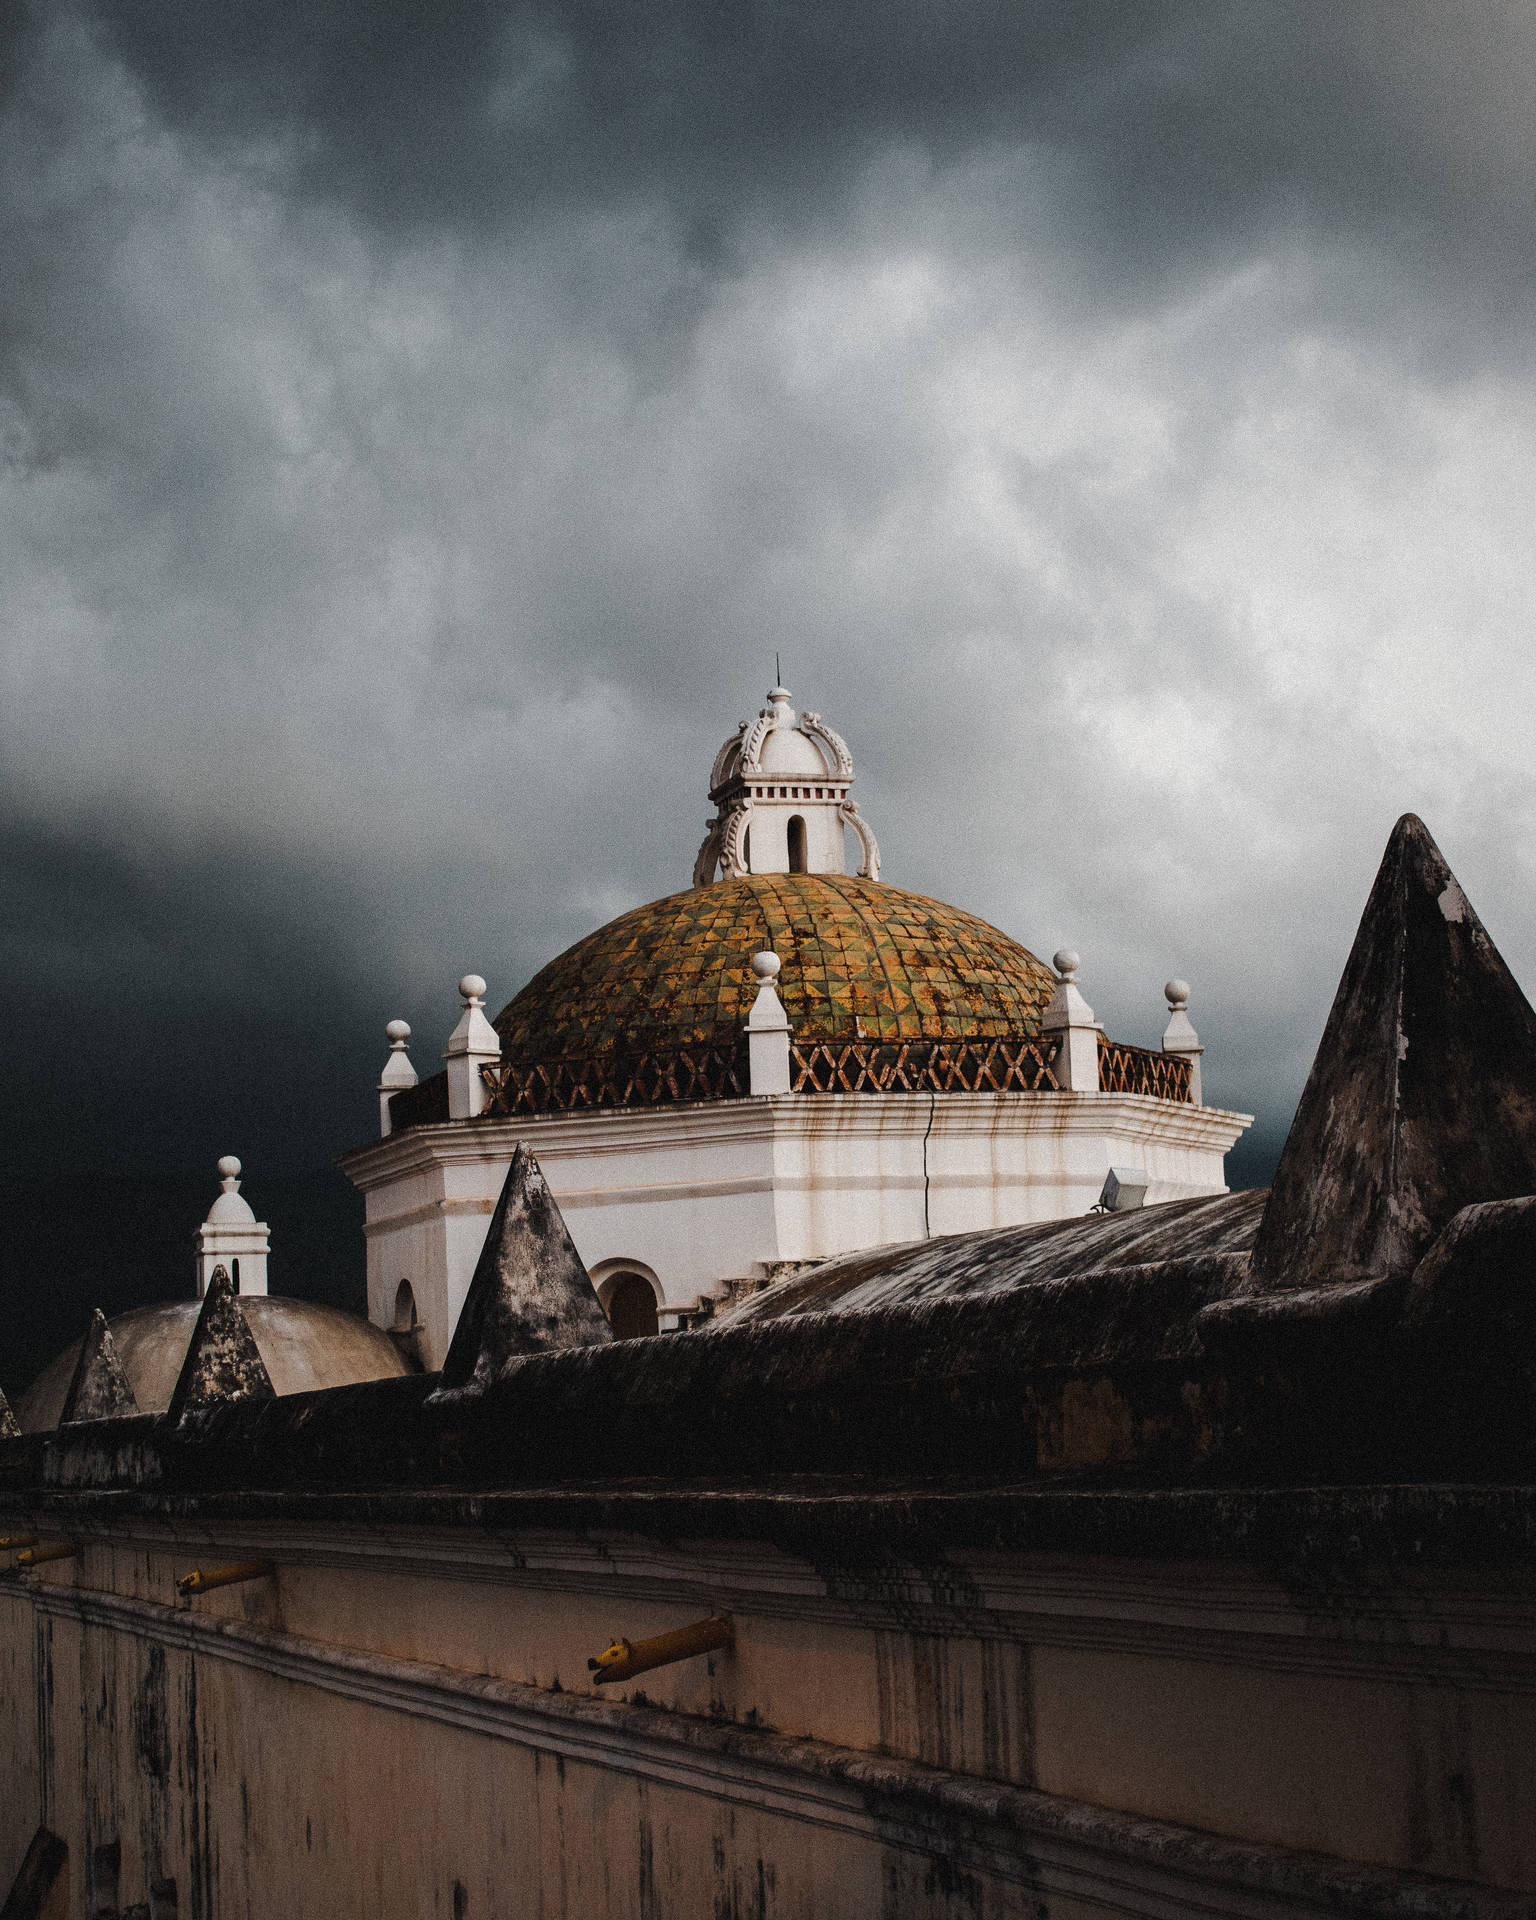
(631, 1306)
(407, 1332)
(796, 844)
(234, 1274)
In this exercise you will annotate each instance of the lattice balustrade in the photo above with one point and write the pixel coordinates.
(651, 1079)
(1122, 1069)
(667, 1078)
(921, 1066)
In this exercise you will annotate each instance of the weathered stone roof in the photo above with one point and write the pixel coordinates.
(857, 955)
(962, 1266)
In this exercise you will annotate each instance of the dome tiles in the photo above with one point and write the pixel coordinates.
(859, 959)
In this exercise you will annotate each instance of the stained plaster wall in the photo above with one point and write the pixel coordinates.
(263, 1794)
(262, 1797)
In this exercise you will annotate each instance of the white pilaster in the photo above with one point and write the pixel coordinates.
(767, 1031)
(232, 1237)
(398, 1072)
(472, 1044)
(1179, 1035)
(1069, 1021)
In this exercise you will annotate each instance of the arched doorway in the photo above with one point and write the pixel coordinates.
(797, 862)
(631, 1306)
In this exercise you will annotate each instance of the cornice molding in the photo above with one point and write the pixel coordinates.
(786, 1117)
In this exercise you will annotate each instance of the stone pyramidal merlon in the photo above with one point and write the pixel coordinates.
(10, 1427)
(98, 1387)
(1422, 1098)
(223, 1361)
(530, 1293)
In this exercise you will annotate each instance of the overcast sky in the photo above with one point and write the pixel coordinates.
(421, 425)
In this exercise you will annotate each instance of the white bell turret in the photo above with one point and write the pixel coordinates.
(232, 1237)
(780, 786)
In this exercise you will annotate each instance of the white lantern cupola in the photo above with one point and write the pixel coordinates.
(232, 1237)
(781, 789)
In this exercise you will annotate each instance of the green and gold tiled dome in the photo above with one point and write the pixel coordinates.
(858, 957)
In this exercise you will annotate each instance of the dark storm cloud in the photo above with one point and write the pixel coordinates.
(241, 970)
(495, 111)
(1167, 135)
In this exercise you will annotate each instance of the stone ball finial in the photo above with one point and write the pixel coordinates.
(397, 1032)
(1066, 963)
(229, 1167)
(766, 966)
(472, 988)
(1176, 993)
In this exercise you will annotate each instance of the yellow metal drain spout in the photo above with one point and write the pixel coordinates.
(55, 1550)
(625, 1658)
(205, 1579)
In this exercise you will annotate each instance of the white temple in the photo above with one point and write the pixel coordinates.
(784, 1062)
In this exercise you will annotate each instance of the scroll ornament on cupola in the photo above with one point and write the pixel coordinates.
(780, 786)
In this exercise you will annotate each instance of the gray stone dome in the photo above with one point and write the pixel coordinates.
(303, 1345)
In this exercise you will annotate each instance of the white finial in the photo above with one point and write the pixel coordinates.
(229, 1173)
(1069, 1020)
(767, 1031)
(398, 1072)
(1179, 1035)
(473, 1044)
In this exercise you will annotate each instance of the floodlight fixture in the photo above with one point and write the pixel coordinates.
(1124, 1188)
